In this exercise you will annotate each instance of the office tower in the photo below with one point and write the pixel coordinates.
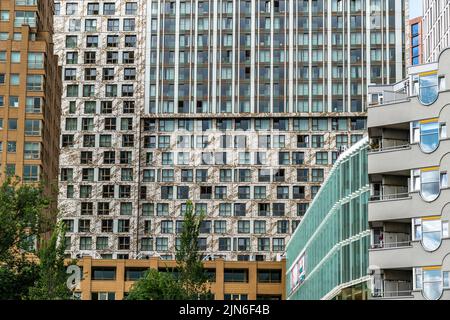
(436, 28)
(30, 93)
(327, 255)
(245, 107)
(414, 42)
(408, 173)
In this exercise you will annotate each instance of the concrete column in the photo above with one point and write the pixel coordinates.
(120, 279)
(219, 285)
(86, 283)
(252, 280)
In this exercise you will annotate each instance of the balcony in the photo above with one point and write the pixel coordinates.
(404, 111)
(391, 234)
(389, 186)
(393, 284)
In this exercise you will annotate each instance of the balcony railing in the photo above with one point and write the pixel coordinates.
(392, 196)
(390, 245)
(379, 148)
(393, 289)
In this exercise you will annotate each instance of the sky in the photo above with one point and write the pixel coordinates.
(415, 8)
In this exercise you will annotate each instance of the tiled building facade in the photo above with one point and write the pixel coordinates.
(244, 107)
(30, 93)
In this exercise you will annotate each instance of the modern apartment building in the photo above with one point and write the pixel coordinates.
(408, 172)
(30, 93)
(244, 107)
(327, 256)
(229, 280)
(436, 28)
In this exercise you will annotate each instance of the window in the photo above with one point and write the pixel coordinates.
(72, 57)
(14, 79)
(278, 244)
(30, 173)
(131, 8)
(85, 243)
(224, 244)
(124, 243)
(15, 57)
(101, 243)
(430, 231)
(429, 181)
(220, 226)
(4, 15)
(269, 276)
(235, 275)
(429, 132)
(109, 8)
(14, 101)
(103, 273)
(428, 88)
(278, 209)
(74, 25)
(162, 244)
(12, 124)
(430, 280)
(107, 225)
(91, 41)
(25, 17)
(128, 24)
(321, 158)
(259, 226)
(71, 41)
(35, 82)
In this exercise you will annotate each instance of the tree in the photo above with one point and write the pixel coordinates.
(21, 209)
(189, 280)
(51, 283)
(25, 214)
(156, 285)
(191, 272)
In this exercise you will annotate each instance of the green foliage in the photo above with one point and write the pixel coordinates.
(156, 285)
(189, 281)
(24, 215)
(20, 216)
(15, 281)
(190, 266)
(51, 283)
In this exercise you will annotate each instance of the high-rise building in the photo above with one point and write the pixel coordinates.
(414, 41)
(30, 93)
(436, 28)
(327, 255)
(244, 107)
(408, 173)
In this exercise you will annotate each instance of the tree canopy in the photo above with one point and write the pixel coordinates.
(189, 280)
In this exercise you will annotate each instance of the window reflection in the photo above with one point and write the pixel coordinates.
(429, 187)
(431, 231)
(432, 284)
(428, 88)
(429, 136)
(431, 234)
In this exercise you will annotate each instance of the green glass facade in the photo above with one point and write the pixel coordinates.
(329, 249)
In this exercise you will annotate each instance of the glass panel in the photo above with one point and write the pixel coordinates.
(432, 235)
(429, 188)
(428, 89)
(432, 284)
(429, 136)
